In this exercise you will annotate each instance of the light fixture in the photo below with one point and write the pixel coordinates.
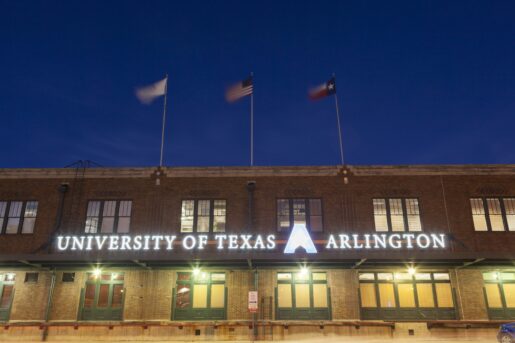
(9, 276)
(412, 271)
(304, 271)
(196, 271)
(96, 272)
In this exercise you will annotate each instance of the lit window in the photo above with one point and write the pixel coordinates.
(307, 212)
(203, 215)
(396, 214)
(493, 214)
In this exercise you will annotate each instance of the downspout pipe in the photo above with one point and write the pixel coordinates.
(49, 305)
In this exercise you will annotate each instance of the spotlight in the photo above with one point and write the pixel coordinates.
(304, 271)
(97, 272)
(411, 271)
(196, 271)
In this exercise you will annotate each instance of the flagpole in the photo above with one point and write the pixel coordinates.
(252, 123)
(164, 120)
(339, 127)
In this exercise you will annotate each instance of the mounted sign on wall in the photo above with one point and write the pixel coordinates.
(299, 241)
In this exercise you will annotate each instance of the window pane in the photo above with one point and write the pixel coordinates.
(31, 209)
(406, 295)
(203, 213)
(182, 298)
(508, 276)
(403, 276)
(366, 276)
(299, 211)
(509, 294)
(478, 214)
(509, 207)
(107, 225)
(12, 225)
(3, 207)
(284, 276)
(28, 225)
(495, 214)
(219, 213)
(319, 295)
(284, 298)
(93, 209)
(444, 295)
(5, 300)
(493, 295)
(302, 295)
(425, 295)
(199, 296)
(187, 215)
(422, 276)
(368, 295)
(301, 276)
(283, 214)
(124, 224)
(217, 296)
(218, 277)
(92, 217)
(89, 296)
(494, 276)
(319, 276)
(315, 215)
(125, 208)
(385, 276)
(386, 295)
(413, 215)
(441, 276)
(117, 296)
(103, 296)
(396, 214)
(380, 219)
(109, 208)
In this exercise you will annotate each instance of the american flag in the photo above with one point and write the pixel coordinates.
(239, 90)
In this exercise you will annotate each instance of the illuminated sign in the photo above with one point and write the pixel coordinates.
(299, 241)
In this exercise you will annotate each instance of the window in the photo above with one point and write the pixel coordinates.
(31, 277)
(6, 295)
(200, 296)
(493, 214)
(299, 211)
(68, 277)
(18, 216)
(302, 296)
(108, 216)
(203, 216)
(396, 214)
(405, 296)
(102, 297)
(499, 288)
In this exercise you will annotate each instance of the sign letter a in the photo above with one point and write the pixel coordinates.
(300, 237)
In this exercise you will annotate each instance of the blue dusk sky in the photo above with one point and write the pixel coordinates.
(419, 82)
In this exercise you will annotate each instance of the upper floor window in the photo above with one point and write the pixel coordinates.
(493, 214)
(18, 216)
(299, 211)
(108, 216)
(203, 215)
(397, 214)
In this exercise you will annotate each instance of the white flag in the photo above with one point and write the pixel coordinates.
(147, 94)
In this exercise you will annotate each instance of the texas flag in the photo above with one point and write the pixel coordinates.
(323, 90)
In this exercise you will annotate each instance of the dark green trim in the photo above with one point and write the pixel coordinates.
(499, 313)
(207, 313)
(102, 313)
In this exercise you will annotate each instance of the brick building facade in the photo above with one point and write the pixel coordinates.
(172, 253)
